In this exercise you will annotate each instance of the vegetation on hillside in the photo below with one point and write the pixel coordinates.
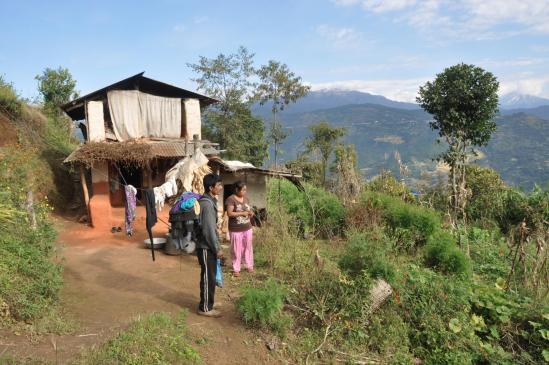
(447, 307)
(156, 339)
(466, 260)
(31, 176)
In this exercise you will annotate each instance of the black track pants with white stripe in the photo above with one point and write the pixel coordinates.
(208, 267)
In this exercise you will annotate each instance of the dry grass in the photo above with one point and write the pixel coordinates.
(127, 153)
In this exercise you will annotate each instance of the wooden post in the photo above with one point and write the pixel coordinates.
(86, 194)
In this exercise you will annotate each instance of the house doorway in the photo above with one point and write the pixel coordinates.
(228, 190)
(129, 175)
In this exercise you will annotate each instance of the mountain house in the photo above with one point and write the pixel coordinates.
(134, 131)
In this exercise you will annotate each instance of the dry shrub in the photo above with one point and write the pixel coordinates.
(364, 215)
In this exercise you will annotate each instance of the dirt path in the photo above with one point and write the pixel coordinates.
(110, 279)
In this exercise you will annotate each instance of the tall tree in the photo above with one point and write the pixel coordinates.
(323, 140)
(280, 87)
(56, 87)
(228, 78)
(463, 100)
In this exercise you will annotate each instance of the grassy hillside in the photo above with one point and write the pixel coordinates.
(31, 151)
(456, 298)
(518, 150)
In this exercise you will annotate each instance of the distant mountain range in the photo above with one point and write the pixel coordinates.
(540, 111)
(326, 99)
(521, 101)
(333, 98)
(379, 127)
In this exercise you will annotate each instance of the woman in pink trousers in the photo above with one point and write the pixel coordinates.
(240, 228)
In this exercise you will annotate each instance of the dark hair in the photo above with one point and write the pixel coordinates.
(239, 185)
(209, 181)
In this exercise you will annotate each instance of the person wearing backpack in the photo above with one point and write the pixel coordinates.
(207, 245)
(240, 228)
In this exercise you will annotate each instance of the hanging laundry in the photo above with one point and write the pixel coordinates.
(130, 193)
(174, 171)
(159, 198)
(169, 187)
(151, 219)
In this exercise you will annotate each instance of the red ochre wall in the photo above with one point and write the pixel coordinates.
(100, 204)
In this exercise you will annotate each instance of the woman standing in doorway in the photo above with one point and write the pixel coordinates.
(240, 228)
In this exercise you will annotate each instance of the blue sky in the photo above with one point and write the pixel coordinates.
(386, 47)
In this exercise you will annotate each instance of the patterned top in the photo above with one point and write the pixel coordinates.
(240, 223)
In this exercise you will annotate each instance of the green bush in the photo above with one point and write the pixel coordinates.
(512, 327)
(443, 254)
(410, 224)
(155, 339)
(29, 280)
(314, 210)
(388, 336)
(9, 101)
(487, 189)
(363, 254)
(436, 309)
(386, 183)
(488, 251)
(263, 306)
(333, 299)
(532, 207)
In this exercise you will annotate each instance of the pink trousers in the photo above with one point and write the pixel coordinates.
(241, 245)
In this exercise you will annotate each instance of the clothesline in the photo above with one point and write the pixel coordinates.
(122, 185)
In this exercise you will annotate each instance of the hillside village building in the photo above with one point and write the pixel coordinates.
(134, 131)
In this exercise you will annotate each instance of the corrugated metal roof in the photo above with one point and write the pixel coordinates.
(75, 108)
(235, 166)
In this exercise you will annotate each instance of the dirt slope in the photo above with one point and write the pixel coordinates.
(110, 279)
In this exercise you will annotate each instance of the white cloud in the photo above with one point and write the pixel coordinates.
(465, 19)
(380, 6)
(517, 62)
(407, 89)
(400, 90)
(200, 19)
(528, 84)
(346, 2)
(179, 28)
(339, 37)
(540, 48)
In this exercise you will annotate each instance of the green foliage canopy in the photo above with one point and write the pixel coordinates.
(57, 87)
(323, 140)
(230, 122)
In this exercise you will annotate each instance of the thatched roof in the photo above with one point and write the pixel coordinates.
(138, 153)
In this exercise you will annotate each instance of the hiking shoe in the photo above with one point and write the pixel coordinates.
(250, 271)
(213, 313)
(236, 274)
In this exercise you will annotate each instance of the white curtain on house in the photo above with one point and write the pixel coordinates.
(135, 114)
